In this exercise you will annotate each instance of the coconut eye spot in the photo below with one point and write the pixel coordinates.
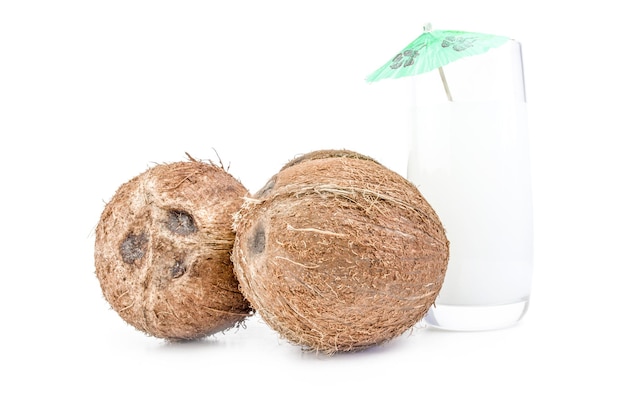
(256, 243)
(133, 247)
(178, 269)
(180, 222)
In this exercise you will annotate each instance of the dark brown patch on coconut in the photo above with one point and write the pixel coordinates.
(162, 251)
(133, 247)
(256, 244)
(356, 256)
(180, 222)
(178, 269)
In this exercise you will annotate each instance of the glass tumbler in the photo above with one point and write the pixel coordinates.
(469, 156)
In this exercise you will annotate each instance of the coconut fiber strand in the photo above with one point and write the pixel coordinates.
(162, 251)
(338, 253)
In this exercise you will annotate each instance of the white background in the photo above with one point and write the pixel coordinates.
(93, 93)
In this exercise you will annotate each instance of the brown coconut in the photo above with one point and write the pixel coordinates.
(162, 251)
(339, 253)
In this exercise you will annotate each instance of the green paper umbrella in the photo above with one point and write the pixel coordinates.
(434, 49)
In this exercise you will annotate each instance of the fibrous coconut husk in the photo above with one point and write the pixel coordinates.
(339, 253)
(162, 251)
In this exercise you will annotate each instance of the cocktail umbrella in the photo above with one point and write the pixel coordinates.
(434, 49)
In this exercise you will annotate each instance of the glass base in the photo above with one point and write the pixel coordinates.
(475, 318)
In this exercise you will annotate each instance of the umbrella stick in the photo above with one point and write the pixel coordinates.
(445, 83)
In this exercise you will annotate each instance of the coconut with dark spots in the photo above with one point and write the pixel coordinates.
(338, 253)
(162, 251)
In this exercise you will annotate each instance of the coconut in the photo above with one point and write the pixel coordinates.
(162, 251)
(338, 253)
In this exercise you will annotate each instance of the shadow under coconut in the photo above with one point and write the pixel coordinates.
(392, 346)
(195, 344)
(214, 341)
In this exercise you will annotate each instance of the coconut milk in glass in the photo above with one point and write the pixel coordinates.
(469, 157)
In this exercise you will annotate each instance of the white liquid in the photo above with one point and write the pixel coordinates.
(470, 160)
